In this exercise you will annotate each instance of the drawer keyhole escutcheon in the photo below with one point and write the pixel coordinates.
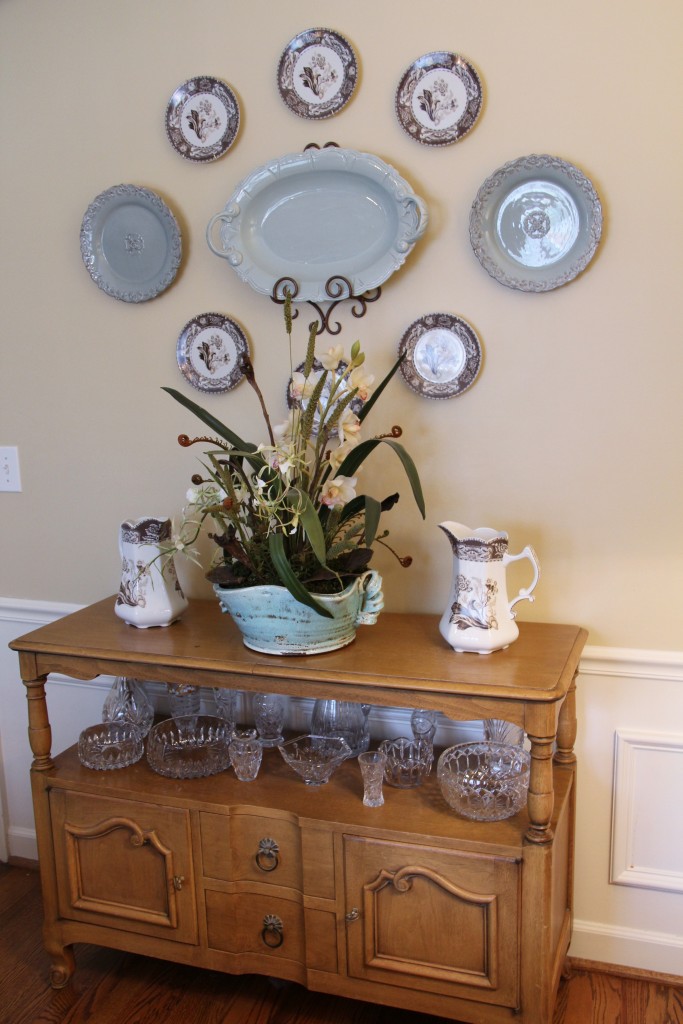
(178, 882)
(273, 931)
(352, 915)
(267, 855)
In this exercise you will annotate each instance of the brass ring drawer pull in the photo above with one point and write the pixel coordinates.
(272, 933)
(267, 855)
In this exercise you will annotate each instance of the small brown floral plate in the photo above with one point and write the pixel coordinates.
(202, 119)
(438, 99)
(210, 350)
(442, 355)
(317, 73)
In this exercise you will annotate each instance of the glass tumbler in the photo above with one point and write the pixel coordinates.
(246, 755)
(269, 717)
(372, 764)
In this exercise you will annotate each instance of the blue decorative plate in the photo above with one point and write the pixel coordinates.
(130, 243)
(535, 223)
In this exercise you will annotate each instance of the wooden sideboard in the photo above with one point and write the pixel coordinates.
(406, 905)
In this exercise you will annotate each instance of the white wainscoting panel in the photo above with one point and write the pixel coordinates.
(647, 823)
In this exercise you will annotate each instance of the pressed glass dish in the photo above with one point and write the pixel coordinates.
(189, 747)
(484, 781)
(408, 761)
(314, 758)
(109, 745)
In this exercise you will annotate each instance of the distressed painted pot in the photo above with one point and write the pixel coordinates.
(271, 621)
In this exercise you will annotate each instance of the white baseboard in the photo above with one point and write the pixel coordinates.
(627, 947)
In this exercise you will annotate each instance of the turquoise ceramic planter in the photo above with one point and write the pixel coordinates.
(273, 622)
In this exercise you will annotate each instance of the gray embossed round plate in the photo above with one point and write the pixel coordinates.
(130, 243)
(535, 223)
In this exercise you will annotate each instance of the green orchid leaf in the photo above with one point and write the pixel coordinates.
(217, 427)
(276, 546)
(357, 456)
(299, 501)
(373, 510)
(379, 389)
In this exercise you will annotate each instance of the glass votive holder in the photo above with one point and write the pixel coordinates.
(372, 764)
(269, 717)
(110, 745)
(408, 761)
(246, 754)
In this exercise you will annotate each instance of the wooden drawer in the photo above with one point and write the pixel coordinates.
(244, 847)
(253, 923)
(433, 920)
(124, 864)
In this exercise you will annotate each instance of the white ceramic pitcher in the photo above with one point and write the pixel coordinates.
(150, 593)
(479, 616)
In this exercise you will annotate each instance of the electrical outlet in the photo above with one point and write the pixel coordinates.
(10, 480)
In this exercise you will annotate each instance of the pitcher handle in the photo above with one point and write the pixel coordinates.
(372, 598)
(525, 592)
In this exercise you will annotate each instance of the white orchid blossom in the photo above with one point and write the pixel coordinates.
(338, 491)
(301, 387)
(348, 427)
(332, 357)
(361, 379)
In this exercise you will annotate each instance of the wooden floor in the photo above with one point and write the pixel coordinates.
(119, 988)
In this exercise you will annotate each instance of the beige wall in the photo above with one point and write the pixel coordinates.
(570, 439)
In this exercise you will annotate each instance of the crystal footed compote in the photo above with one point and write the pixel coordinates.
(314, 758)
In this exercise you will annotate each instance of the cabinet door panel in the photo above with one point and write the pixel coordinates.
(125, 864)
(440, 921)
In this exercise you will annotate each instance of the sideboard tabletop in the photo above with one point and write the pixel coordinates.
(403, 654)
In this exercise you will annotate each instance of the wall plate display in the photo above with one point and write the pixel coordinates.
(438, 99)
(210, 350)
(318, 215)
(202, 119)
(535, 223)
(130, 243)
(442, 355)
(317, 73)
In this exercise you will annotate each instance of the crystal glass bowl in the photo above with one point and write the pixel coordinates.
(408, 761)
(110, 745)
(484, 781)
(189, 747)
(314, 758)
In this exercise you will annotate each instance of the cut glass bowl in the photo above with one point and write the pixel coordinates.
(409, 762)
(110, 745)
(189, 747)
(484, 781)
(314, 758)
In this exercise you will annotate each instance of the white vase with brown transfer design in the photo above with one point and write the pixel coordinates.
(149, 593)
(479, 617)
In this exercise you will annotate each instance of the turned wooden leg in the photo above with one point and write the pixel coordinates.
(566, 728)
(541, 794)
(39, 731)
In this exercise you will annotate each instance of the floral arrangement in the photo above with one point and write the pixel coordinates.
(289, 510)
